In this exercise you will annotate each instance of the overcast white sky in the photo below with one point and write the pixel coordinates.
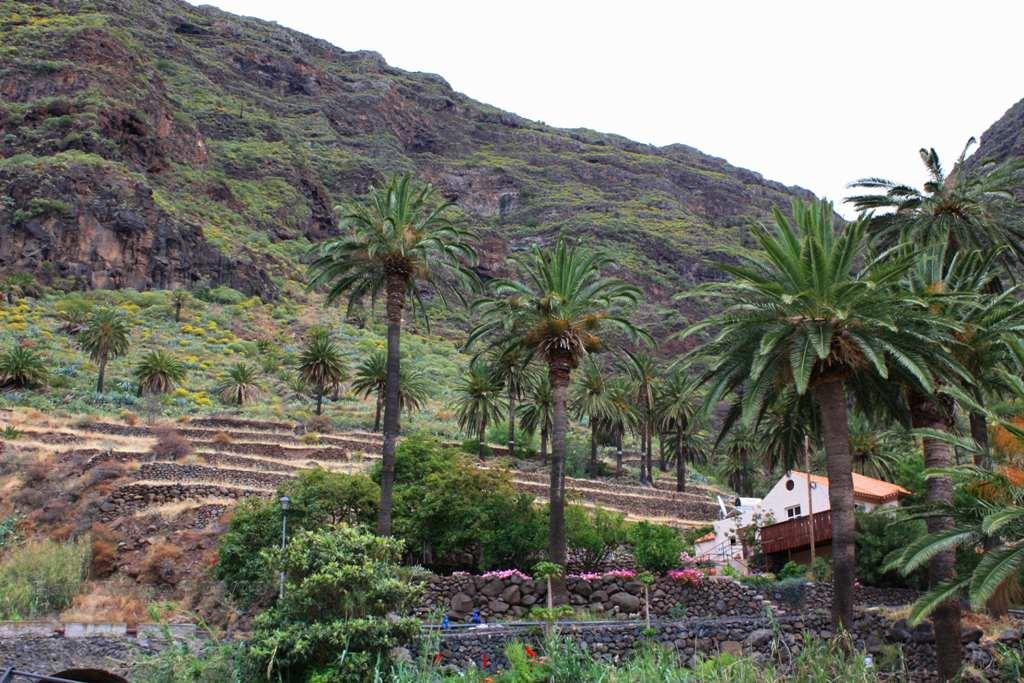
(807, 93)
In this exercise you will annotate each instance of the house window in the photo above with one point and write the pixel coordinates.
(792, 511)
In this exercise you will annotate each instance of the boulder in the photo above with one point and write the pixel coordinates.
(498, 606)
(626, 602)
(462, 603)
(511, 595)
(494, 588)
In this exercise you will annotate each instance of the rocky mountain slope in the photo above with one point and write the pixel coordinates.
(152, 144)
(1004, 139)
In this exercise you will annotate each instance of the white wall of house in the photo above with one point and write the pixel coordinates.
(788, 498)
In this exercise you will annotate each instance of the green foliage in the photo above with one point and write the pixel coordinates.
(792, 570)
(481, 400)
(23, 367)
(343, 589)
(879, 535)
(105, 336)
(656, 547)
(821, 569)
(41, 207)
(547, 570)
(318, 498)
(593, 533)
(8, 530)
(222, 294)
(452, 514)
(791, 590)
(158, 372)
(42, 577)
(240, 385)
(320, 365)
(205, 662)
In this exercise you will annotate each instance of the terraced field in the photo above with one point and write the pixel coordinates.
(233, 458)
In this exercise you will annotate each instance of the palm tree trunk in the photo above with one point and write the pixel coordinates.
(102, 374)
(592, 465)
(380, 404)
(559, 369)
(643, 450)
(927, 412)
(744, 489)
(618, 455)
(831, 397)
(680, 463)
(392, 392)
(662, 458)
(481, 438)
(649, 455)
(319, 399)
(544, 445)
(177, 311)
(511, 420)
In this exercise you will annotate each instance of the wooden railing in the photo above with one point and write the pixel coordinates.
(795, 533)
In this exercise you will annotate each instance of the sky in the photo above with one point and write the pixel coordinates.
(814, 94)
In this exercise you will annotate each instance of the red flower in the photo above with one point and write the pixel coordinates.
(486, 662)
(530, 653)
(437, 658)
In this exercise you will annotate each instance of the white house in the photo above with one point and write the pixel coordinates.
(782, 518)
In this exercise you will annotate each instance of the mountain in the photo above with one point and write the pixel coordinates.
(1004, 139)
(152, 144)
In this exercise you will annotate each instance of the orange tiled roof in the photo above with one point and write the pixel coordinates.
(709, 536)
(874, 490)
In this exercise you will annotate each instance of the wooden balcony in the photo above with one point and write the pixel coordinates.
(795, 533)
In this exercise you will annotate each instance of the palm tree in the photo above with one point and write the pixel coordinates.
(239, 386)
(800, 315)
(480, 401)
(23, 368)
(624, 415)
(105, 336)
(733, 464)
(563, 311)
(157, 372)
(396, 241)
(516, 374)
(371, 378)
(677, 413)
(179, 298)
(872, 445)
(644, 371)
(989, 513)
(535, 413)
(970, 208)
(592, 401)
(320, 365)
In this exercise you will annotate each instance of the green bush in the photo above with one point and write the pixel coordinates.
(791, 590)
(453, 515)
(821, 569)
(656, 547)
(23, 367)
(593, 533)
(42, 577)
(337, 618)
(318, 498)
(878, 537)
(222, 295)
(195, 663)
(792, 570)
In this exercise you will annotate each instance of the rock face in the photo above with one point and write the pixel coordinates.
(1004, 139)
(156, 144)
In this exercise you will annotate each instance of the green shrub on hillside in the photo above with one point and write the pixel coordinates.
(877, 537)
(337, 619)
(593, 533)
(318, 498)
(656, 548)
(42, 577)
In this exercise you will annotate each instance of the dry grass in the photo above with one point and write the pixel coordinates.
(116, 601)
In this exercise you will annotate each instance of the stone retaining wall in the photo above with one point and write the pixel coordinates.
(459, 595)
(129, 499)
(757, 636)
(178, 472)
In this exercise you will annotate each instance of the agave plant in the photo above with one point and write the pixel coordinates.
(239, 386)
(158, 372)
(23, 368)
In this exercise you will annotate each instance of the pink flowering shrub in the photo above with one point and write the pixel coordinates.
(505, 574)
(689, 576)
(611, 574)
(686, 559)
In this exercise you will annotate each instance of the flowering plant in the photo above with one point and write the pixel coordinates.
(621, 574)
(689, 575)
(686, 559)
(505, 574)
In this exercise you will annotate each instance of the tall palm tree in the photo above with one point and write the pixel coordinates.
(677, 412)
(396, 241)
(320, 365)
(644, 371)
(480, 401)
(371, 378)
(106, 335)
(809, 312)
(535, 413)
(970, 208)
(239, 386)
(157, 372)
(563, 311)
(734, 464)
(592, 401)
